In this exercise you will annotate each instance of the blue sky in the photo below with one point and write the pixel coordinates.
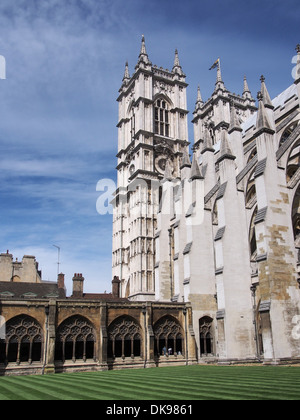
(58, 111)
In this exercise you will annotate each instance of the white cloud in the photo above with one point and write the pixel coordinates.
(64, 65)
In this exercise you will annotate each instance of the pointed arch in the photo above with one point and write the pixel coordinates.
(162, 115)
(130, 107)
(124, 338)
(252, 154)
(253, 243)
(206, 336)
(250, 195)
(293, 162)
(75, 339)
(164, 97)
(24, 340)
(168, 336)
(287, 132)
(295, 216)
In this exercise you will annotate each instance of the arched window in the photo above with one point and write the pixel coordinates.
(293, 162)
(168, 336)
(24, 341)
(252, 155)
(75, 340)
(287, 132)
(124, 338)
(161, 118)
(206, 336)
(214, 214)
(296, 220)
(250, 197)
(253, 244)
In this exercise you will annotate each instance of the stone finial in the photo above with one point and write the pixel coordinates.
(266, 97)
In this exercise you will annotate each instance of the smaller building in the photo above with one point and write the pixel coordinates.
(25, 271)
(48, 332)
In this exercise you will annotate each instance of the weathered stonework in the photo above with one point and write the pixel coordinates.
(206, 251)
(78, 333)
(227, 237)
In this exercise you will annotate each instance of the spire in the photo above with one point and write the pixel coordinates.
(126, 77)
(234, 121)
(263, 122)
(219, 74)
(143, 47)
(246, 87)
(219, 82)
(176, 61)
(265, 94)
(225, 150)
(143, 57)
(297, 75)
(199, 101)
(195, 171)
(177, 67)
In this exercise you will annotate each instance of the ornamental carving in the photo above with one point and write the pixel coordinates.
(23, 329)
(162, 147)
(76, 329)
(124, 328)
(167, 328)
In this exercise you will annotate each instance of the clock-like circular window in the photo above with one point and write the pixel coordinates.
(132, 170)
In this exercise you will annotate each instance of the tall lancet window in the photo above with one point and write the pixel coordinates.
(132, 125)
(161, 118)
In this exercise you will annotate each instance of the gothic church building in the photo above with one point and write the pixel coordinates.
(206, 258)
(220, 229)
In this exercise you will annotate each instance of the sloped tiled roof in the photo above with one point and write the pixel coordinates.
(30, 290)
(107, 297)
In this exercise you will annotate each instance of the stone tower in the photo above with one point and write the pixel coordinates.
(152, 138)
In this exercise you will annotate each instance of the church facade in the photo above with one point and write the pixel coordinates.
(219, 230)
(205, 255)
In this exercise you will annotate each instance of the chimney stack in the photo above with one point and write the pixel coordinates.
(61, 281)
(116, 287)
(78, 281)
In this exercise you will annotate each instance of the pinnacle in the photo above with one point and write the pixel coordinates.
(265, 94)
(195, 171)
(262, 116)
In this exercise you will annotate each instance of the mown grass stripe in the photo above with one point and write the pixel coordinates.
(266, 387)
(174, 391)
(22, 391)
(136, 388)
(232, 388)
(171, 383)
(130, 389)
(162, 387)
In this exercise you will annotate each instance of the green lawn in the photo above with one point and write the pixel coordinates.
(171, 383)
